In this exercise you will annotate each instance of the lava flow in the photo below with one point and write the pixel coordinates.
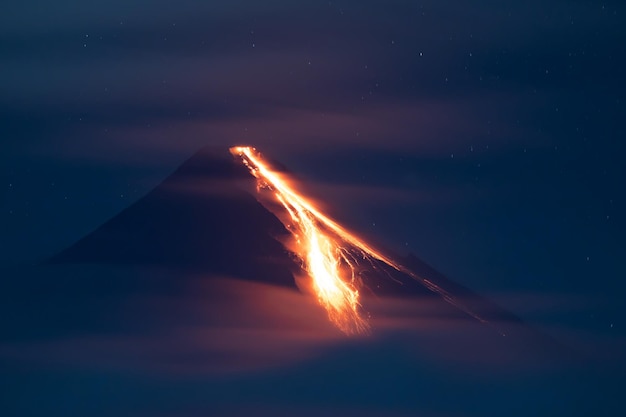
(321, 251)
(326, 249)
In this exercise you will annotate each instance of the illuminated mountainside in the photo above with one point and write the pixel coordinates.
(205, 218)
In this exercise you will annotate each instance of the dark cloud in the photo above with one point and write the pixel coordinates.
(142, 320)
(192, 66)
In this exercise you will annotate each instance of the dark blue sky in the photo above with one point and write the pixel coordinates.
(485, 137)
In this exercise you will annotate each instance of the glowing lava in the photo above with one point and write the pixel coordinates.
(327, 250)
(320, 250)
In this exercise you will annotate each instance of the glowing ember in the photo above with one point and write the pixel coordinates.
(326, 249)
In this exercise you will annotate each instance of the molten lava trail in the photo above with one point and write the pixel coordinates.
(324, 249)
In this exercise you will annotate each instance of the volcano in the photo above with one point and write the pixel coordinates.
(206, 218)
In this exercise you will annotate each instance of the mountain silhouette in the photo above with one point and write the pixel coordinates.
(205, 218)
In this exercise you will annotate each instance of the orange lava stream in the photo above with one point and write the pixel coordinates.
(321, 251)
(323, 246)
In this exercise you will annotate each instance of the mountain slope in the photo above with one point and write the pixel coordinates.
(202, 218)
(205, 218)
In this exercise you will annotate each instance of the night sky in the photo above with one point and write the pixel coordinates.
(485, 137)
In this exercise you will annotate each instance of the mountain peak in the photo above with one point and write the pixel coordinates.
(202, 218)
